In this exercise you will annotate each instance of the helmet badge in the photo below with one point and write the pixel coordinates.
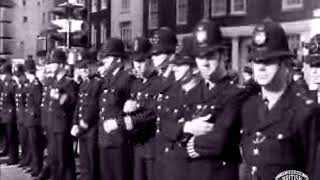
(201, 35)
(155, 39)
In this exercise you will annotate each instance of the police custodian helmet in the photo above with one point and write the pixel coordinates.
(141, 49)
(184, 56)
(208, 38)
(313, 58)
(269, 41)
(112, 47)
(163, 41)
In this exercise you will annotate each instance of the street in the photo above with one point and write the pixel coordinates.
(12, 172)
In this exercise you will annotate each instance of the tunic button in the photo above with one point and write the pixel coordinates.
(224, 163)
(159, 107)
(212, 107)
(280, 136)
(175, 111)
(258, 133)
(166, 149)
(256, 151)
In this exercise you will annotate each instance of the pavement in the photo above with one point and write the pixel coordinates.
(12, 172)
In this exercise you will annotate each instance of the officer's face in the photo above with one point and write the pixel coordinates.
(246, 76)
(140, 67)
(107, 63)
(209, 64)
(29, 76)
(266, 72)
(315, 74)
(80, 74)
(52, 69)
(180, 71)
(159, 59)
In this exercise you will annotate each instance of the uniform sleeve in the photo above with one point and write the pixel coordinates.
(309, 134)
(92, 114)
(38, 99)
(75, 114)
(227, 123)
(145, 115)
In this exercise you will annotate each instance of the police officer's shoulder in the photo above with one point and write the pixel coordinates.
(303, 102)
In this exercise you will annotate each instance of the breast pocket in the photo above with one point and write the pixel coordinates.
(282, 147)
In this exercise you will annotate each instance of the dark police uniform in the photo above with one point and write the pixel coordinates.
(45, 99)
(8, 114)
(115, 158)
(144, 126)
(60, 114)
(285, 136)
(115, 149)
(33, 122)
(87, 110)
(20, 100)
(3, 135)
(143, 118)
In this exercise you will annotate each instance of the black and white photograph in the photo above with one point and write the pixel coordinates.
(159, 89)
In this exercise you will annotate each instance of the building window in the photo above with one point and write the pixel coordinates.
(38, 3)
(291, 4)
(218, 7)
(93, 36)
(126, 32)
(43, 18)
(104, 4)
(103, 32)
(238, 7)
(153, 14)
(125, 5)
(182, 11)
(94, 5)
(25, 19)
(24, 2)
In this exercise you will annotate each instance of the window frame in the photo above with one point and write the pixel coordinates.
(93, 35)
(153, 10)
(103, 4)
(237, 12)
(287, 7)
(125, 6)
(126, 32)
(94, 6)
(103, 32)
(178, 10)
(215, 14)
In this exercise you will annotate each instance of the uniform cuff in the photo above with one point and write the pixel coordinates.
(190, 148)
(128, 123)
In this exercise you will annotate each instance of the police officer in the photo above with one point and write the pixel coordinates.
(164, 42)
(47, 84)
(20, 98)
(3, 135)
(279, 130)
(87, 115)
(313, 64)
(63, 95)
(115, 156)
(140, 118)
(215, 124)
(8, 113)
(33, 117)
(173, 109)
